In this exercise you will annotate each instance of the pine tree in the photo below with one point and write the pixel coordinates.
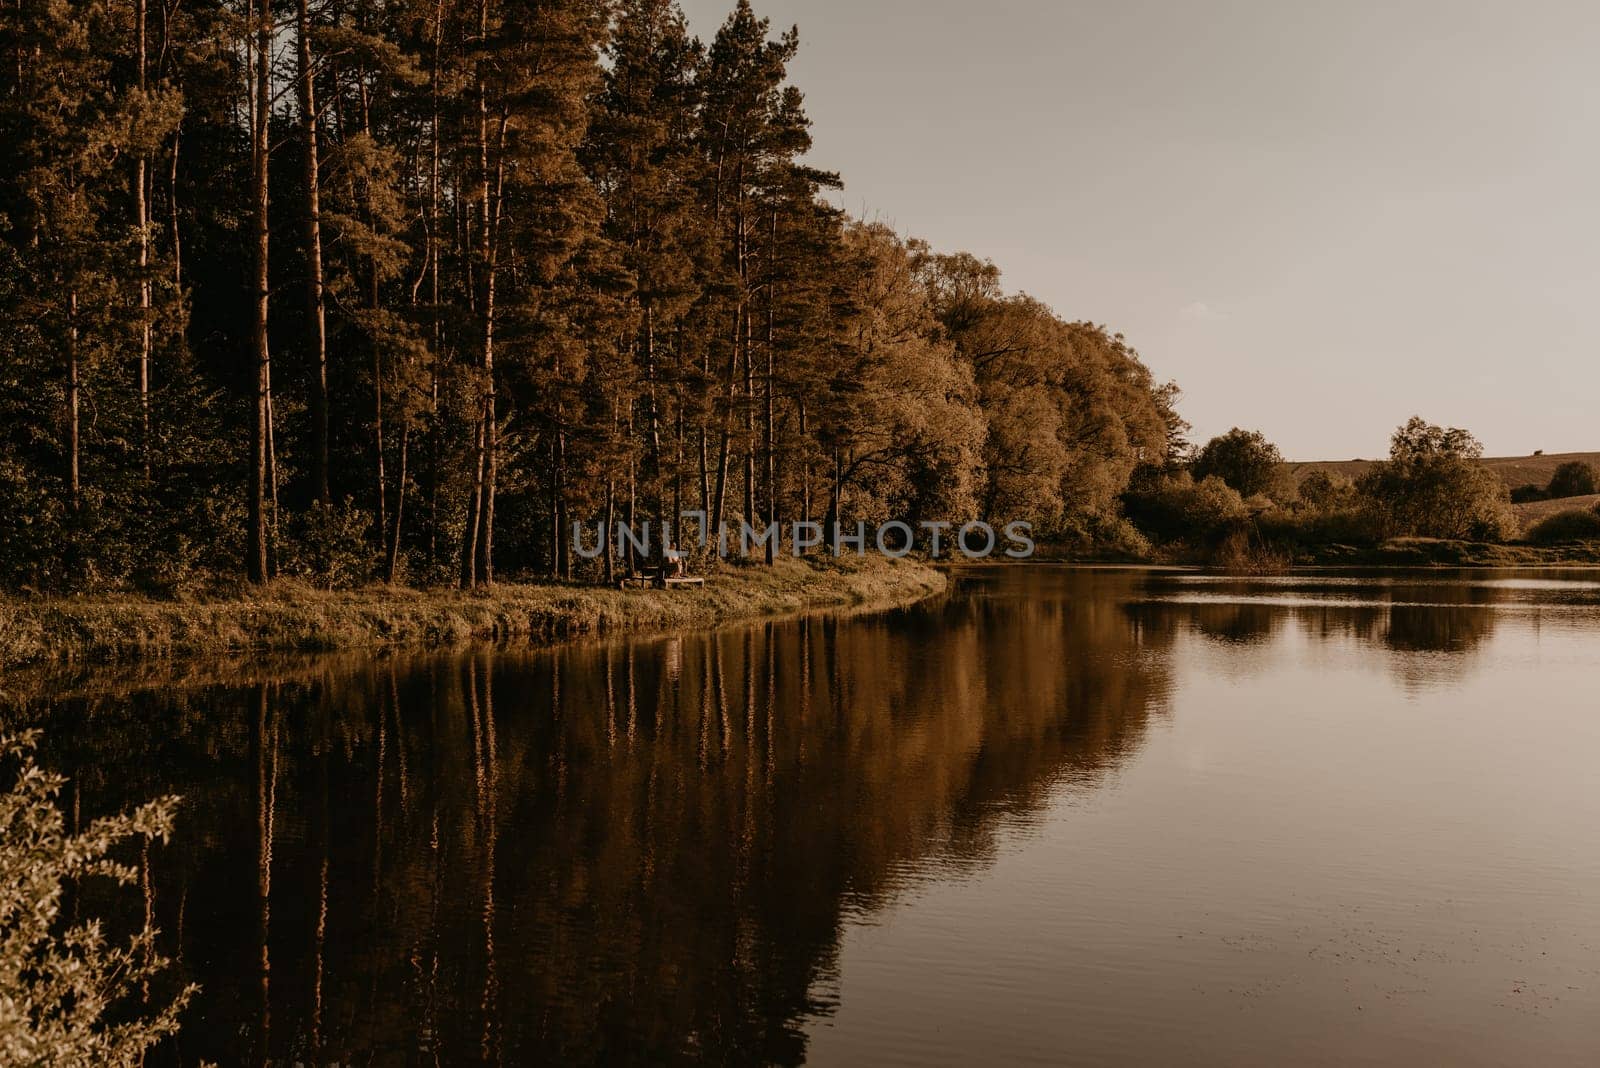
(642, 154)
(532, 208)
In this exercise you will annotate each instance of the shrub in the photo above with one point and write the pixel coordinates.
(1099, 536)
(58, 985)
(1244, 459)
(1244, 550)
(1307, 527)
(1573, 525)
(1176, 507)
(329, 545)
(32, 528)
(1572, 479)
(1323, 491)
(1528, 494)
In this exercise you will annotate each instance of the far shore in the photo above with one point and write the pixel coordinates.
(1394, 553)
(289, 616)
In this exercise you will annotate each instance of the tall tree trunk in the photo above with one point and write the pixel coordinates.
(392, 570)
(705, 475)
(749, 425)
(805, 468)
(483, 565)
(436, 429)
(256, 543)
(730, 396)
(74, 404)
(272, 477)
(377, 436)
(141, 213)
(172, 206)
(490, 473)
(654, 485)
(677, 481)
(555, 509)
(316, 295)
(605, 533)
(768, 436)
(469, 537)
(563, 548)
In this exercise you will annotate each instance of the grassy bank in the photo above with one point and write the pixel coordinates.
(1438, 552)
(289, 616)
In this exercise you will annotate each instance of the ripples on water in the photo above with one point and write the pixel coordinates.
(1058, 815)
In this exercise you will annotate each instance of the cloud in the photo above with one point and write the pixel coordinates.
(1198, 311)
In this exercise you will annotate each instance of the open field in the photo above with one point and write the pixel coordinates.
(290, 616)
(1534, 511)
(1514, 471)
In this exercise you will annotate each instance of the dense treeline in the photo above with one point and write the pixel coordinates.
(402, 290)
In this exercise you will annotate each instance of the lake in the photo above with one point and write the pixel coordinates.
(1056, 815)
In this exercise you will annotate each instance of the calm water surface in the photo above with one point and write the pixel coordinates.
(1056, 816)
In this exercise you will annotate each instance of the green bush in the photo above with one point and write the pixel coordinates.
(1572, 525)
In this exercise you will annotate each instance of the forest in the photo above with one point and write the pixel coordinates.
(400, 291)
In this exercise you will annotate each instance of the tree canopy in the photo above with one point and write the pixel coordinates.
(1435, 485)
(362, 291)
(1244, 459)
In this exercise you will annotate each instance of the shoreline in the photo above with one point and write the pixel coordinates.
(289, 617)
(1396, 553)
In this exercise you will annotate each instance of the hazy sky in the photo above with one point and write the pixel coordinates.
(1320, 218)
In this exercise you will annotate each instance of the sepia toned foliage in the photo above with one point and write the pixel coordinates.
(1435, 485)
(1244, 459)
(66, 987)
(1572, 525)
(1573, 479)
(361, 292)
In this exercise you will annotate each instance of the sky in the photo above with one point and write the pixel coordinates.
(1319, 219)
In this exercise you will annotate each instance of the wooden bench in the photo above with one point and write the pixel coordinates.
(658, 578)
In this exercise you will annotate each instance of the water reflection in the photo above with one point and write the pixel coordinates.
(1404, 616)
(647, 850)
(621, 852)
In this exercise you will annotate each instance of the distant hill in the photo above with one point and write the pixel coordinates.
(1514, 471)
(1534, 511)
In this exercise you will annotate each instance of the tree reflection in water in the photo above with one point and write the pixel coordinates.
(618, 851)
(631, 850)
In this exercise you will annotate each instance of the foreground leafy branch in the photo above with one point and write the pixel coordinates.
(63, 988)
